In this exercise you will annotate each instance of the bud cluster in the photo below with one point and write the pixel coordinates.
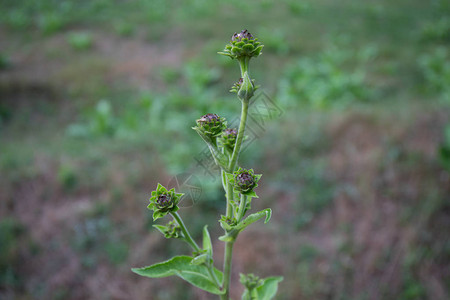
(228, 138)
(211, 125)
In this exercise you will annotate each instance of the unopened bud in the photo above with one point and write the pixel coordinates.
(247, 88)
(228, 138)
(211, 125)
(245, 181)
(163, 201)
(242, 44)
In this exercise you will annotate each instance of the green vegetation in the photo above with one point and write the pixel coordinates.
(88, 88)
(80, 40)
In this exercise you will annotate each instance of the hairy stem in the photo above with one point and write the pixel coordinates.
(227, 270)
(240, 137)
(230, 197)
(212, 274)
(242, 206)
(186, 234)
(228, 193)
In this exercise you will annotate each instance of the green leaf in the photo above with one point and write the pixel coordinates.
(246, 295)
(181, 266)
(253, 218)
(269, 288)
(207, 244)
(230, 177)
(225, 225)
(157, 214)
(201, 281)
(226, 54)
(231, 234)
(200, 259)
(227, 238)
(251, 194)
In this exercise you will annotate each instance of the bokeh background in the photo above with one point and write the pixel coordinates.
(97, 101)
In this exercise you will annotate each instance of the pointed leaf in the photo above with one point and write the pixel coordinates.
(251, 194)
(201, 281)
(225, 225)
(157, 215)
(207, 244)
(181, 266)
(253, 218)
(166, 268)
(226, 238)
(200, 259)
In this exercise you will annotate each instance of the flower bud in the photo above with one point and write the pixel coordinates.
(171, 230)
(250, 281)
(228, 138)
(237, 86)
(163, 201)
(242, 44)
(247, 88)
(211, 125)
(245, 181)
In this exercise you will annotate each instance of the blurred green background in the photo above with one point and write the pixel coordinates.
(97, 101)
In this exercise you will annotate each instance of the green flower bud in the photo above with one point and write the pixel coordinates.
(237, 86)
(228, 138)
(245, 181)
(250, 281)
(171, 230)
(242, 45)
(247, 88)
(227, 223)
(163, 201)
(211, 125)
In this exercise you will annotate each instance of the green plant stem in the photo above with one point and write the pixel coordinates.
(194, 245)
(230, 197)
(212, 274)
(231, 167)
(242, 206)
(226, 188)
(240, 137)
(243, 64)
(227, 270)
(186, 234)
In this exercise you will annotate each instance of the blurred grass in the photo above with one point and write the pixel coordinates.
(79, 119)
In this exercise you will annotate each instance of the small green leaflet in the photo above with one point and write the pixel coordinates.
(244, 223)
